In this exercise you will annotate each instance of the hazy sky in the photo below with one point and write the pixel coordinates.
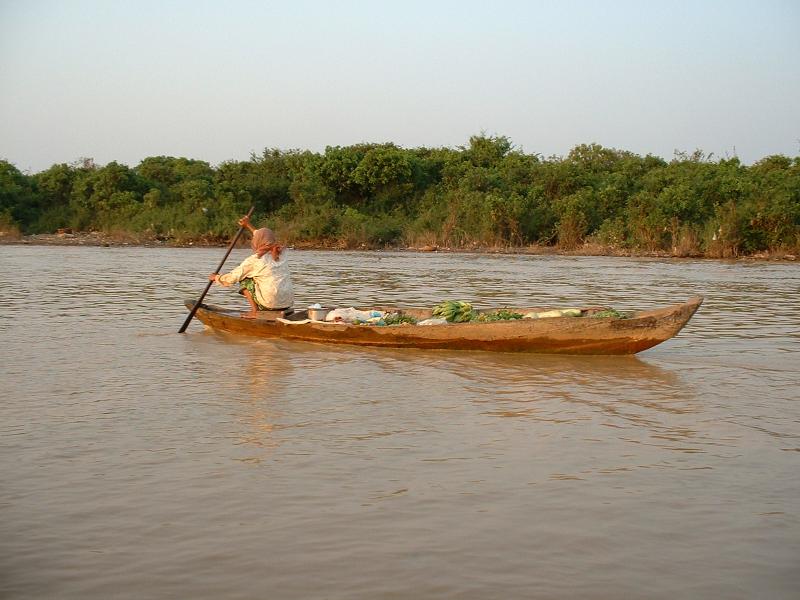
(123, 80)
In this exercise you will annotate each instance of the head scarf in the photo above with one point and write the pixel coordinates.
(264, 241)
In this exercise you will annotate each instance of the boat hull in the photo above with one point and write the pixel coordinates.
(559, 335)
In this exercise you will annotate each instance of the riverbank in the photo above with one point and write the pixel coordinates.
(118, 239)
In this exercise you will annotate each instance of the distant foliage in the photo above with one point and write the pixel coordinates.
(487, 193)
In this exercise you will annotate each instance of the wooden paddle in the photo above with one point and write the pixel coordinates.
(218, 269)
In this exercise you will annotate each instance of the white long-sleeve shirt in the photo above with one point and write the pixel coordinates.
(271, 277)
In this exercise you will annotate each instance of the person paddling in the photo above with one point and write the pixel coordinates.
(263, 277)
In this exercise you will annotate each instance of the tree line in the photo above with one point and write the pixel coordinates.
(485, 194)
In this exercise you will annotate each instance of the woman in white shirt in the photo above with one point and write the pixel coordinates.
(263, 277)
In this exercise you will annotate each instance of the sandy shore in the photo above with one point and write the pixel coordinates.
(97, 238)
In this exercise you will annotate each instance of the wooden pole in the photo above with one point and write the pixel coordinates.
(210, 283)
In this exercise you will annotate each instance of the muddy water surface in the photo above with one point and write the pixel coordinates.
(139, 463)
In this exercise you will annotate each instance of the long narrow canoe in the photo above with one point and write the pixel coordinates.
(638, 331)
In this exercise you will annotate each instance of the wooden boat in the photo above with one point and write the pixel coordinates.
(635, 332)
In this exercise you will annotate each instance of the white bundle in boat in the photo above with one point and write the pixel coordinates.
(549, 314)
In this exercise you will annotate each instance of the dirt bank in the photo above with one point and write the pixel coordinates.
(97, 238)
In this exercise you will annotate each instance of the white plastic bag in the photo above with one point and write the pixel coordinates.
(433, 321)
(351, 315)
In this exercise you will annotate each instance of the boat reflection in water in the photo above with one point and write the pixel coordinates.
(641, 400)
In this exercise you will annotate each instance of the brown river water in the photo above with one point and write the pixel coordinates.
(139, 463)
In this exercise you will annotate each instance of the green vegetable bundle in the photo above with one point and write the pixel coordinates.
(398, 319)
(499, 315)
(610, 312)
(454, 311)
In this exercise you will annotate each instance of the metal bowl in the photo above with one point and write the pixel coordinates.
(318, 314)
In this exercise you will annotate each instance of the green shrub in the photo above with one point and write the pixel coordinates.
(612, 232)
(9, 228)
(484, 194)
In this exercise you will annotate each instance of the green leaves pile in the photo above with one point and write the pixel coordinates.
(610, 312)
(499, 315)
(455, 311)
(398, 319)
